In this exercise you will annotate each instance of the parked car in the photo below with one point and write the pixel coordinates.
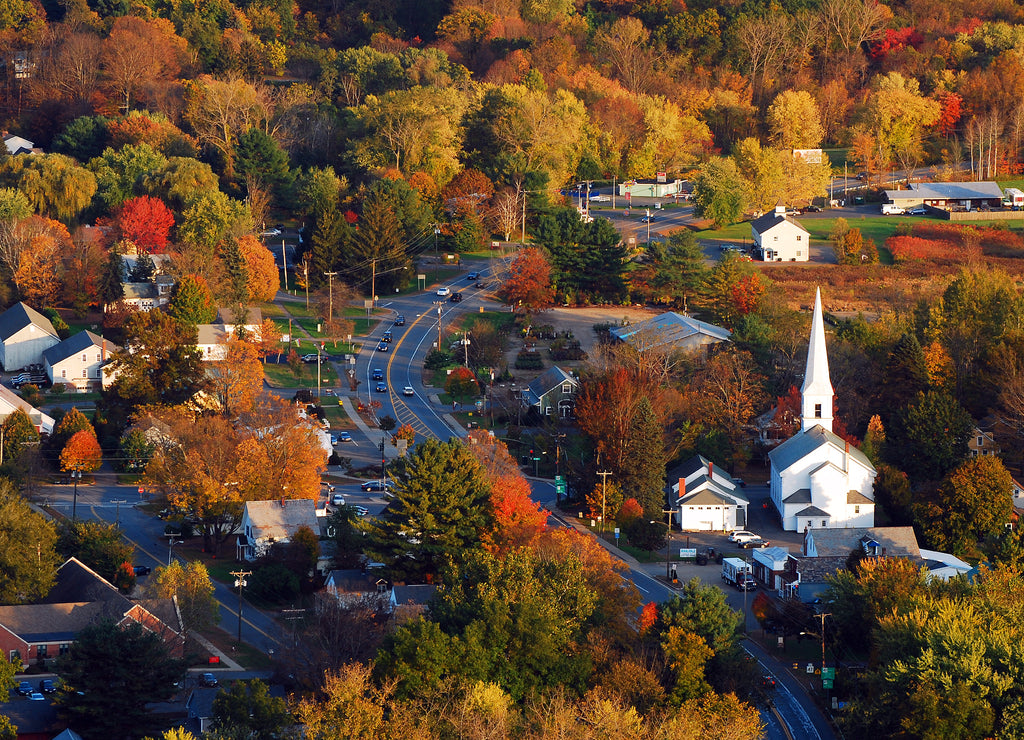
(360, 510)
(343, 437)
(917, 211)
(376, 485)
(408, 391)
(456, 298)
(310, 358)
(381, 388)
(36, 696)
(208, 680)
(271, 232)
(48, 686)
(813, 209)
(377, 374)
(754, 543)
(382, 346)
(24, 688)
(444, 292)
(473, 276)
(738, 535)
(337, 500)
(400, 320)
(142, 570)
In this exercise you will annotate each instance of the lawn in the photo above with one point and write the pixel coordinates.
(271, 310)
(435, 275)
(281, 376)
(498, 319)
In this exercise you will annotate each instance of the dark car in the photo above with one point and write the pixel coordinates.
(142, 570)
(382, 346)
(456, 298)
(813, 209)
(473, 276)
(48, 686)
(376, 485)
(381, 388)
(208, 680)
(377, 374)
(24, 688)
(754, 543)
(399, 320)
(386, 336)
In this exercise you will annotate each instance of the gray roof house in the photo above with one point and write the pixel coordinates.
(552, 392)
(676, 331)
(706, 498)
(78, 361)
(266, 523)
(946, 195)
(779, 238)
(11, 401)
(24, 335)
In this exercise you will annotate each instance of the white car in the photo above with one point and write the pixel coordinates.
(408, 391)
(271, 232)
(742, 535)
(444, 292)
(337, 500)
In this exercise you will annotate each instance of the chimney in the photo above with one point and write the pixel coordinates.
(103, 352)
(711, 470)
(682, 487)
(282, 502)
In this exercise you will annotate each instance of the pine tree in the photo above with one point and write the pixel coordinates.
(238, 274)
(329, 244)
(144, 269)
(906, 375)
(643, 465)
(379, 245)
(111, 285)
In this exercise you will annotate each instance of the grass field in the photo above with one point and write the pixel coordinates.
(281, 376)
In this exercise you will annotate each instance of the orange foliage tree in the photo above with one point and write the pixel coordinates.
(42, 243)
(82, 453)
(237, 379)
(146, 222)
(263, 279)
(405, 432)
(461, 383)
(518, 520)
(528, 283)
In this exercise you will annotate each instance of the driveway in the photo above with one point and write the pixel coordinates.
(580, 321)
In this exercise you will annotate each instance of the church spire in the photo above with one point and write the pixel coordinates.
(817, 388)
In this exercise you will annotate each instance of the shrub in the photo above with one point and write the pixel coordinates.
(462, 383)
(650, 536)
(527, 360)
(567, 349)
(437, 359)
(274, 583)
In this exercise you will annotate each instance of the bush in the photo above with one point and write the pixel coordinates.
(527, 360)
(437, 359)
(462, 383)
(274, 583)
(650, 536)
(567, 349)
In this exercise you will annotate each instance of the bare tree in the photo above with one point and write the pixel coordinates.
(505, 212)
(764, 43)
(626, 43)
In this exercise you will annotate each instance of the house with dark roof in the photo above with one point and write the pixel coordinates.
(819, 480)
(352, 587)
(672, 331)
(553, 392)
(778, 238)
(78, 361)
(706, 498)
(825, 551)
(11, 402)
(79, 598)
(267, 523)
(24, 335)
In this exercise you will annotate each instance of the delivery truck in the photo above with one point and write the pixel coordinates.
(737, 573)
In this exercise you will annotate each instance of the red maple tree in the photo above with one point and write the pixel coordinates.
(528, 285)
(146, 222)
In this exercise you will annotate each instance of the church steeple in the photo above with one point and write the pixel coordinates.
(817, 388)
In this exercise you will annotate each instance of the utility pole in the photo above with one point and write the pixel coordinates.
(822, 618)
(76, 475)
(604, 489)
(171, 542)
(373, 282)
(613, 190)
(437, 231)
(330, 295)
(284, 264)
(305, 278)
(465, 347)
(117, 511)
(439, 329)
(523, 240)
(668, 544)
(240, 582)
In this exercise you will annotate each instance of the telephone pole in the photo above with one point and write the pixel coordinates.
(439, 329)
(240, 582)
(330, 296)
(668, 544)
(604, 488)
(373, 282)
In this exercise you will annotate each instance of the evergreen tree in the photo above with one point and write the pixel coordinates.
(906, 375)
(144, 269)
(259, 158)
(192, 303)
(111, 281)
(643, 465)
(587, 260)
(26, 572)
(441, 506)
(331, 241)
(237, 284)
(110, 674)
(379, 246)
(928, 438)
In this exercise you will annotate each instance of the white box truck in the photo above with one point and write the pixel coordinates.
(736, 572)
(1013, 198)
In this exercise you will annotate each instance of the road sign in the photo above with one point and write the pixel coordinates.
(559, 485)
(826, 683)
(687, 552)
(828, 673)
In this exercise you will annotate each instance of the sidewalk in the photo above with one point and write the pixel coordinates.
(226, 663)
(390, 451)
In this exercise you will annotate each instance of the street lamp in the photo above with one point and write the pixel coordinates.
(76, 475)
(117, 519)
(170, 546)
(240, 582)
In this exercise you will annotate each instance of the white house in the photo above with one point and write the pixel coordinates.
(671, 330)
(707, 498)
(266, 523)
(78, 360)
(10, 402)
(24, 335)
(251, 323)
(211, 341)
(817, 479)
(17, 144)
(779, 238)
(948, 195)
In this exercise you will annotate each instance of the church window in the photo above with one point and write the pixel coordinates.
(817, 411)
(856, 509)
(824, 522)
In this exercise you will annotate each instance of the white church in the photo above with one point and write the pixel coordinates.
(818, 480)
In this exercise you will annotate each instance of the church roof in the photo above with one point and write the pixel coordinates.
(816, 379)
(813, 511)
(856, 497)
(803, 496)
(796, 448)
(705, 497)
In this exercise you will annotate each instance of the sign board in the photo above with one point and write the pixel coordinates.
(826, 683)
(616, 531)
(828, 672)
(687, 552)
(810, 668)
(662, 177)
(811, 156)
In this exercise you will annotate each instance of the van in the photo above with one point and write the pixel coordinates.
(891, 209)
